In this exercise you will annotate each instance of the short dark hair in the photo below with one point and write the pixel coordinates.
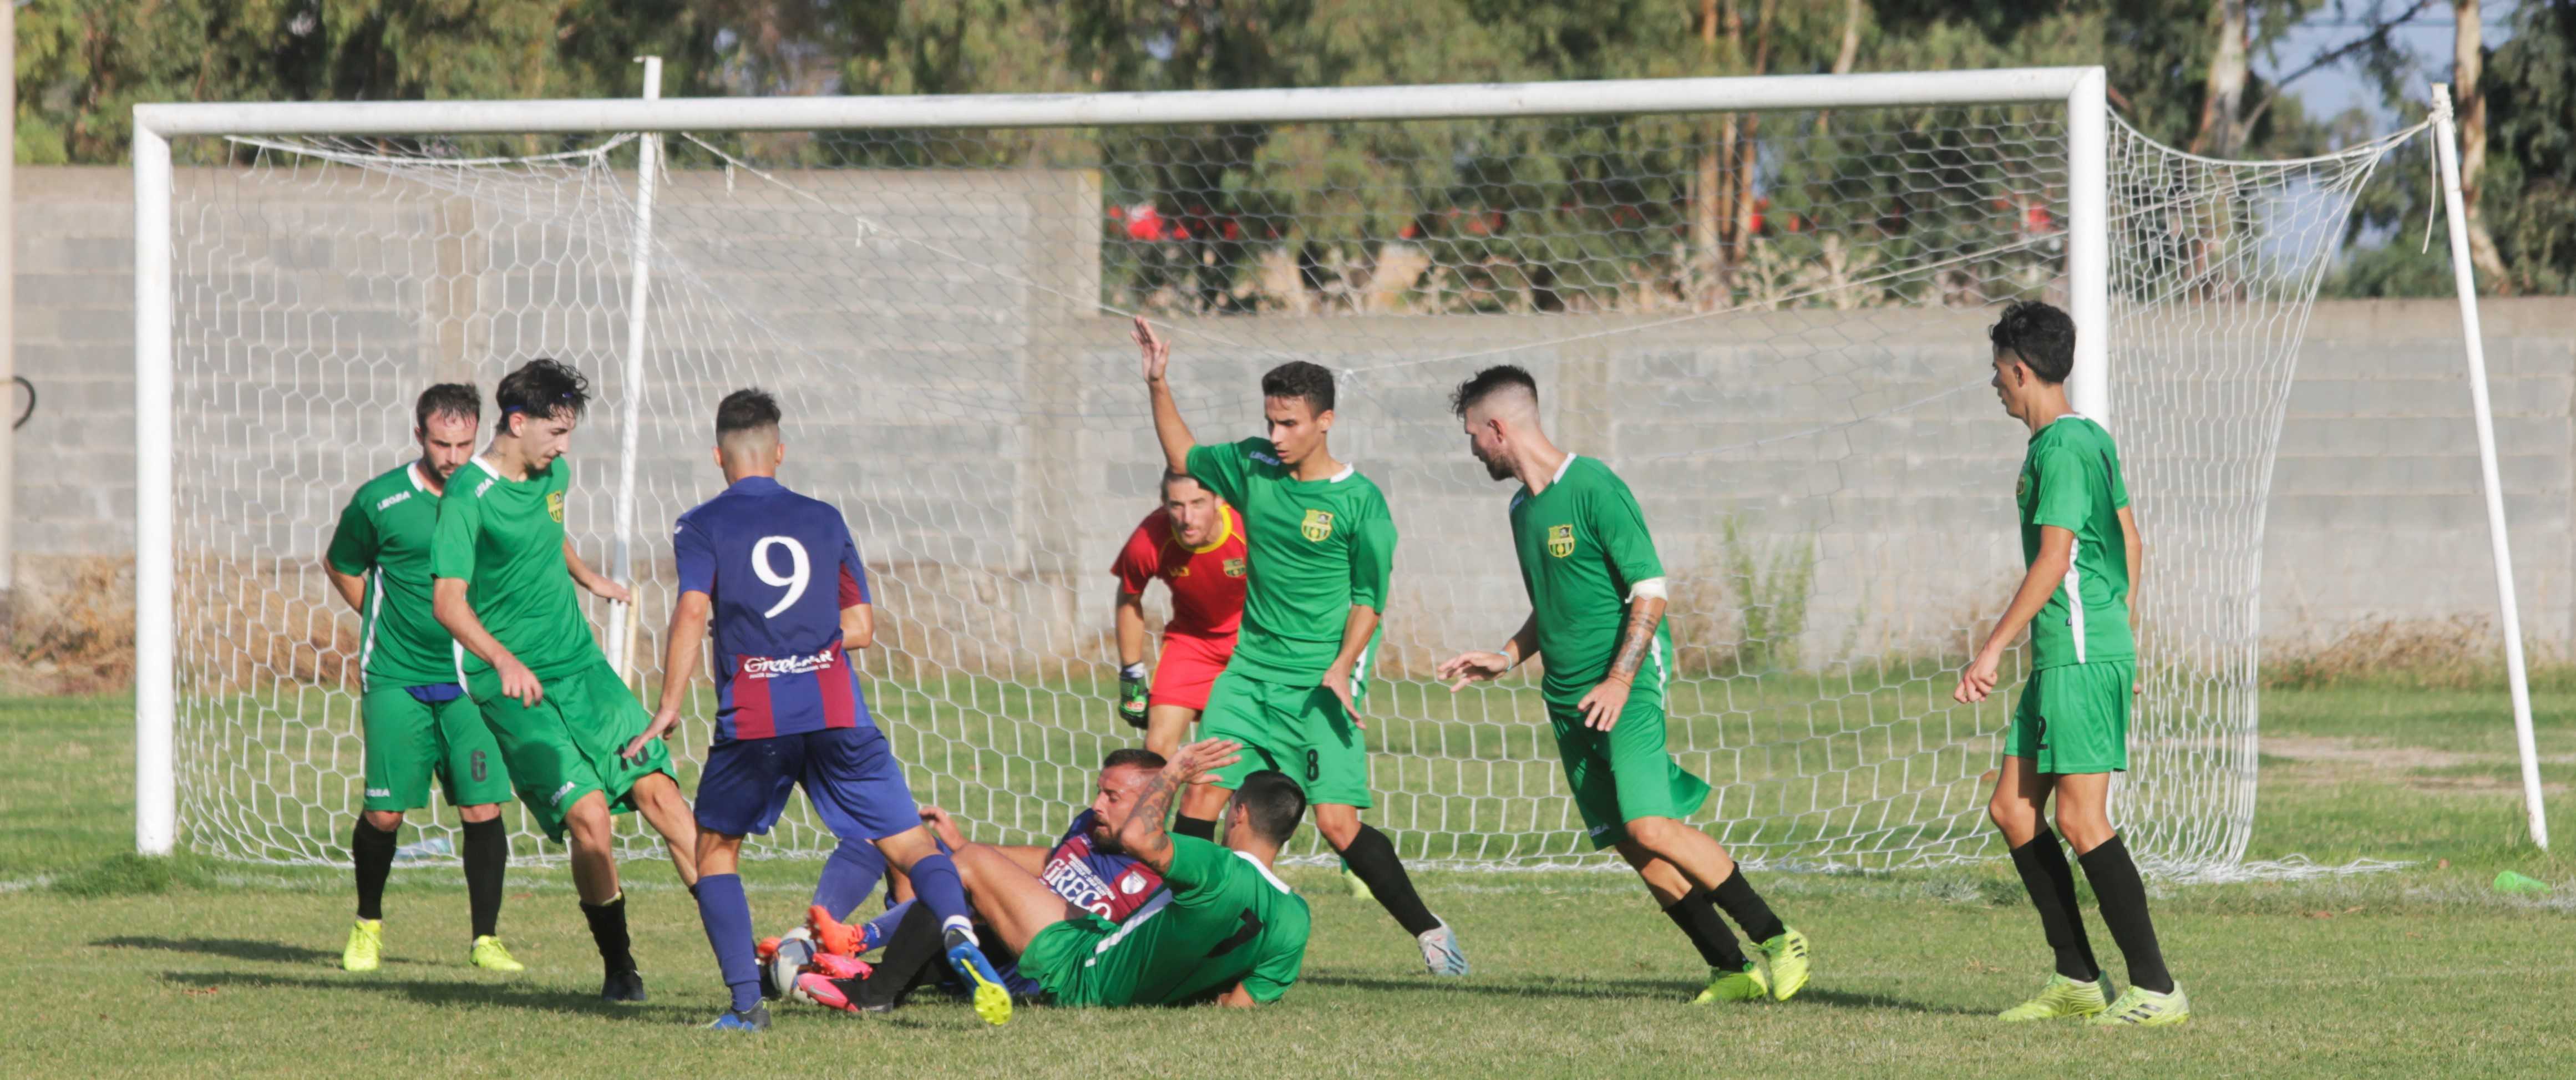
(1170, 477)
(447, 399)
(1299, 379)
(1133, 757)
(1276, 802)
(1485, 382)
(744, 410)
(541, 388)
(2041, 335)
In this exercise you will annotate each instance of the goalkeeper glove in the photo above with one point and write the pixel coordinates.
(1131, 695)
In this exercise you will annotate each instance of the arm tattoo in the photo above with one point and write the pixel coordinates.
(1143, 835)
(1643, 617)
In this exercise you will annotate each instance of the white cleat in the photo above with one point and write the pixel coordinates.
(1440, 951)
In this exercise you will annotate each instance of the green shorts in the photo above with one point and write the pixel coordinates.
(1298, 730)
(1624, 773)
(408, 740)
(2075, 718)
(567, 745)
(1058, 959)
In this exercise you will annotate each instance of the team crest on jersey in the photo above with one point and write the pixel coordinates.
(1132, 884)
(1560, 540)
(1234, 568)
(1318, 526)
(554, 505)
(2021, 486)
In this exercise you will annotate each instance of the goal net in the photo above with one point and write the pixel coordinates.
(1771, 323)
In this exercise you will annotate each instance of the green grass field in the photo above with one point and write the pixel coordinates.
(130, 967)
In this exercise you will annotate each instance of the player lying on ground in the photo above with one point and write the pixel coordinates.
(505, 573)
(1323, 551)
(1597, 596)
(1087, 867)
(2070, 731)
(1195, 545)
(1224, 929)
(417, 719)
(781, 576)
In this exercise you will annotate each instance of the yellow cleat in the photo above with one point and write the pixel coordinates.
(2062, 997)
(1784, 959)
(2144, 1008)
(366, 946)
(489, 954)
(1746, 985)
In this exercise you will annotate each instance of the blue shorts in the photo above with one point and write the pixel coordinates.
(849, 774)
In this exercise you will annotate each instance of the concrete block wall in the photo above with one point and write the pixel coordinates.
(983, 428)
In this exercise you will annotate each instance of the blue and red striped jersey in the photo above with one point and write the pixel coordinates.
(778, 569)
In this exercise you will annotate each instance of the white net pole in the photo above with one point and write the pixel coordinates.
(2508, 611)
(630, 391)
(156, 802)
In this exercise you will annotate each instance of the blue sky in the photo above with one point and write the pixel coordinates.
(2329, 91)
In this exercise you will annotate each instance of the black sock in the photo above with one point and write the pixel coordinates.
(371, 850)
(911, 955)
(487, 858)
(2123, 897)
(2052, 890)
(1696, 914)
(1372, 856)
(1745, 906)
(608, 928)
(1185, 825)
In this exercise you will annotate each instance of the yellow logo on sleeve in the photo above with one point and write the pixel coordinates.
(1234, 568)
(1560, 540)
(1318, 526)
(554, 505)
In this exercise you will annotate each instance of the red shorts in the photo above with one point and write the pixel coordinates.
(1190, 666)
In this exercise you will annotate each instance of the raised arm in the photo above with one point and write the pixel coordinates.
(1142, 834)
(1169, 428)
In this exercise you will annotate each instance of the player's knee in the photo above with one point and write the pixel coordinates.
(476, 815)
(2084, 827)
(1655, 834)
(389, 820)
(588, 822)
(1339, 824)
(2015, 817)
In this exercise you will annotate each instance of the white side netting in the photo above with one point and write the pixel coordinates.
(1790, 372)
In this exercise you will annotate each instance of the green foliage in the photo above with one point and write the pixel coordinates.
(1770, 591)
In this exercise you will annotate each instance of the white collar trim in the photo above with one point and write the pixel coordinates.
(1275, 883)
(1561, 466)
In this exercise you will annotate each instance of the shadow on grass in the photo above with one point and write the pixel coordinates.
(235, 948)
(1649, 989)
(440, 993)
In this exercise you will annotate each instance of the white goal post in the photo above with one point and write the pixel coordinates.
(1873, 773)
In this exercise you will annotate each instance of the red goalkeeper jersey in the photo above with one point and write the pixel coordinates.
(1206, 582)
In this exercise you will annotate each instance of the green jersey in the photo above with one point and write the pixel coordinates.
(1317, 548)
(384, 536)
(1583, 545)
(1222, 918)
(2070, 478)
(505, 538)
